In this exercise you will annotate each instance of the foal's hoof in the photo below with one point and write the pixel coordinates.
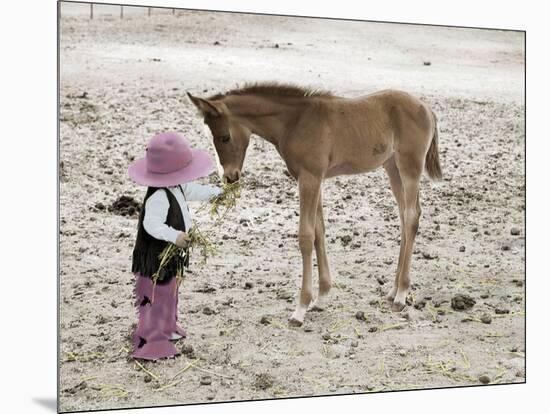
(397, 306)
(295, 322)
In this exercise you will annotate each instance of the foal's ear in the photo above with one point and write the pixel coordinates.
(205, 106)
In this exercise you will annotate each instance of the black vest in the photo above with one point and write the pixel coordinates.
(145, 258)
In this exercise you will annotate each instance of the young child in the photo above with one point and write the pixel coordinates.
(168, 169)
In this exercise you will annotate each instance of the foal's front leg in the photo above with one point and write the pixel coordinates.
(309, 188)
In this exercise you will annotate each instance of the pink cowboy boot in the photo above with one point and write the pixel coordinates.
(151, 339)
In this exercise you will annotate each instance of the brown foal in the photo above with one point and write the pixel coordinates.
(320, 135)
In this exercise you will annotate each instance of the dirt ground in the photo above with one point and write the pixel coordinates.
(124, 80)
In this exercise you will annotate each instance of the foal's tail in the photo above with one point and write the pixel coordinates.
(433, 166)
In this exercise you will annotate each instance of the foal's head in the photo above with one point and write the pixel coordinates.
(230, 138)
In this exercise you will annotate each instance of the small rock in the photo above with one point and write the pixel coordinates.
(360, 316)
(437, 302)
(326, 336)
(188, 350)
(345, 240)
(248, 285)
(263, 381)
(308, 329)
(486, 318)
(427, 63)
(501, 309)
(205, 289)
(462, 249)
(100, 319)
(505, 247)
(206, 380)
(428, 256)
(514, 231)
(208, 311)
(78, 387)
(147, 379)
(266, 320)
(402, 352)
(462, 302)
(484, 379)
(373, 329)
(281, 294)
(228, 302)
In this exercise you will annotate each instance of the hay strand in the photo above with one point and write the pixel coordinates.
(151, 374)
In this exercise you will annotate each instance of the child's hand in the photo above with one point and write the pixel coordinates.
(182, 240)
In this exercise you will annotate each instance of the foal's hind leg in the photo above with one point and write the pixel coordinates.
(410, 171)
(325, 281)
(397, 189)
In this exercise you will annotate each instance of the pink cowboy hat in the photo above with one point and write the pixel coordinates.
(169, 161)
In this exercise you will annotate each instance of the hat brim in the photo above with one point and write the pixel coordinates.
(200, 166)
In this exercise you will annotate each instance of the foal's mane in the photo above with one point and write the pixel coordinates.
(274, 89)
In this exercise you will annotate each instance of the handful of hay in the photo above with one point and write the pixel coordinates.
(197, 239)
(167, 254)
(227, 199)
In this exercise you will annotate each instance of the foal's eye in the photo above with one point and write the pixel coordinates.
(225, 138)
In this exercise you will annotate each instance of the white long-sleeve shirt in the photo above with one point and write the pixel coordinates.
(157, 205)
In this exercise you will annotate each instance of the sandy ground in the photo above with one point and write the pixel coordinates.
(122, 81)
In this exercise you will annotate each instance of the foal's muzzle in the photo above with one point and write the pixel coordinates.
(232, 177)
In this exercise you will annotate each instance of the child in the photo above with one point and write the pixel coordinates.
(168, 169)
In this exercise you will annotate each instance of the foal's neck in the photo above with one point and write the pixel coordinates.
(267, 117)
